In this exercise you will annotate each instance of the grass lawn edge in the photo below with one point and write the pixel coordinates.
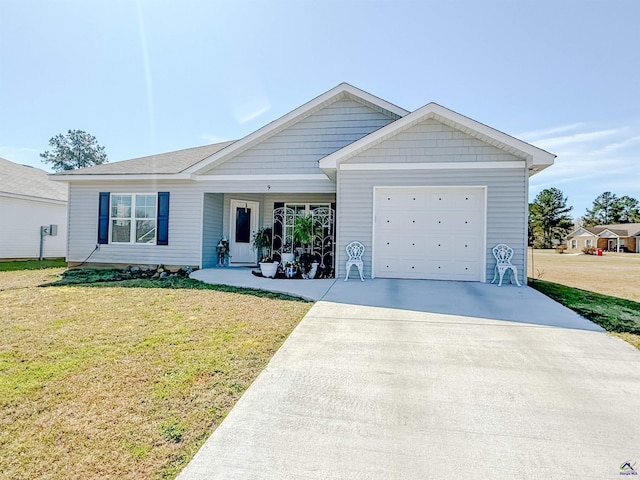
(618, 316)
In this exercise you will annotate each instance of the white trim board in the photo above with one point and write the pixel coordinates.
(431, 166)
(273, 177)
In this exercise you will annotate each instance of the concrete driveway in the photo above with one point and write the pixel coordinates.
(434, 380)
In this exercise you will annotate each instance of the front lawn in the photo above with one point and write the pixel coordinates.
(616, 315)
(12, 266)
(614, 274)
(125, 381)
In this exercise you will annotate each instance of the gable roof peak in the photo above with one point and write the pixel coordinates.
(537, 158)
(338, 92)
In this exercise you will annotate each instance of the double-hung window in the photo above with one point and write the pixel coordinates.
(133, 218)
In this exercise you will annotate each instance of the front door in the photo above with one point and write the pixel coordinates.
(243, 222)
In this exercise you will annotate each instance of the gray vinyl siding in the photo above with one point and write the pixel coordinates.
(185, 226)
(298, 148)
(431, 141)
(198, 218)
(212, 231)
(506, 207)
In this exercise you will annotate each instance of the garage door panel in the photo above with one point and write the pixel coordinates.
(394, 199)
(442, 222)
(426, 246)
(454, 199)
(466, 246)
(435, 233)
(410, 246)
(437, 269)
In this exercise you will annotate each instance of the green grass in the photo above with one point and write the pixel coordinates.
(125, 379)
(613, 314)
(112, 278)
(31, 265)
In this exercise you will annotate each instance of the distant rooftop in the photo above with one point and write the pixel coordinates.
(620, 229)
(16, 179)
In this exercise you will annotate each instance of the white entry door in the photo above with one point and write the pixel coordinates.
(430, 233)
(243, 222)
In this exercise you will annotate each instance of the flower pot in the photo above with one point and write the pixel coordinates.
(290, 272)
(268, 269)
(288, 257)
(312, 273)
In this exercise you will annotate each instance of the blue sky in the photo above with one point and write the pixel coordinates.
(152, 76)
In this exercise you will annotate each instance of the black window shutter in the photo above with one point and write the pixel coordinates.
(277, 229)
(103, 218)
(163, 218)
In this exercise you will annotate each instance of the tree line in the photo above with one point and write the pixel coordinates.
(550, 221)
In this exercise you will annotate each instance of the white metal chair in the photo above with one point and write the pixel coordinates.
(355, 251)
(503, 254)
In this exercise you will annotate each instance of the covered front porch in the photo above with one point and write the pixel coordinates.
(236, 217)
(612, 242)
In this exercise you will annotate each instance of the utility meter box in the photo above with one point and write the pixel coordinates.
(49, 230)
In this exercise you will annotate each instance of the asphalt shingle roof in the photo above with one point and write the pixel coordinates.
(620, 229)
(163, 163)
(16, 179)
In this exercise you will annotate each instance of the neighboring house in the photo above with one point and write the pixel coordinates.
(28, 201)
(621, 237)
(428, 193)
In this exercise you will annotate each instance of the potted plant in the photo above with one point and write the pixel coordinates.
(308, 265)
(262, 243)
(304, 232)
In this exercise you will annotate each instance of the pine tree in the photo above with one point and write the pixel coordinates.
(549, 217)
(76, 149)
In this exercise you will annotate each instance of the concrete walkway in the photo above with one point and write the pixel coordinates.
(242, 277)
(377, 382)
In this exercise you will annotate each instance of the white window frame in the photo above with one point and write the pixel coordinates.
(588, 242)
(574, 244)
(133, 219)
(307, 206)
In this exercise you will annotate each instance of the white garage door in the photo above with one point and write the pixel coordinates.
(430, 233)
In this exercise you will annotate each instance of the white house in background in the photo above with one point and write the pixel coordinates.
(428, 193)
(28, 201)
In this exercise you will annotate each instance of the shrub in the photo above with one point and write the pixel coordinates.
(561, 248)
(589, 250)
